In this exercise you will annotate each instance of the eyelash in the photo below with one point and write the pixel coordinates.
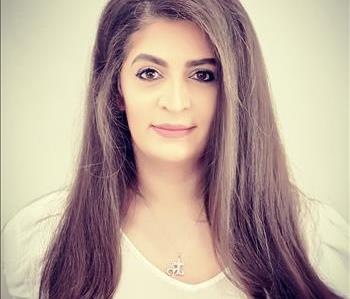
(210, 73)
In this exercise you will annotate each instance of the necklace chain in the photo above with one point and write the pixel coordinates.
(176, 268)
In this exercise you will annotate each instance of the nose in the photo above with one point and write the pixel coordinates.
(176, 97)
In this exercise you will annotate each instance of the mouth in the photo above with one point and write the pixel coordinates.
(173, 130)
(173, 127)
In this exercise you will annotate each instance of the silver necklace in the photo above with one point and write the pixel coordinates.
(176, 267)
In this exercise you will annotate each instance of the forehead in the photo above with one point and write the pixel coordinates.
(172, 40)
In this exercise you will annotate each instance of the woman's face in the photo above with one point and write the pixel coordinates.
(163, 81)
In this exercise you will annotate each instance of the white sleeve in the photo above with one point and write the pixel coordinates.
(16, 260)
(329, 247)
(25, 239)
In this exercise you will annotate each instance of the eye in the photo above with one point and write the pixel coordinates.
(205, 76)
(149, 74)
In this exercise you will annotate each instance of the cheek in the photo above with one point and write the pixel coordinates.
(206, 107)
(138, 113)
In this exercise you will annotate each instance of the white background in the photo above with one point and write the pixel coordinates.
(45, 60)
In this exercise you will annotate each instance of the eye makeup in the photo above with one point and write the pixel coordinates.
(206, 75)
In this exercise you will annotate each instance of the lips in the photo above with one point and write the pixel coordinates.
(170, 130)
(173, 127)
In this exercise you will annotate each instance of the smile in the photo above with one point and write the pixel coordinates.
(172, 132)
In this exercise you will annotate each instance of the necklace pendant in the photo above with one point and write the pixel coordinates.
(176, 268)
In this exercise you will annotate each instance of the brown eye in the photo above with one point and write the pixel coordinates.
(147, 74)
(205, 76)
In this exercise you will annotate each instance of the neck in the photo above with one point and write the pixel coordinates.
(170, 188)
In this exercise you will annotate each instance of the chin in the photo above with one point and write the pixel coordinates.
(172, 155)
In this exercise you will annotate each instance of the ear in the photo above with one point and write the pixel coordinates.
(120, 103)
(120, 98)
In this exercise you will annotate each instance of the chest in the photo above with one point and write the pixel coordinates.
(161, 248)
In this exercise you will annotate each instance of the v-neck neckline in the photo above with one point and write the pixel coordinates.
(184, 285)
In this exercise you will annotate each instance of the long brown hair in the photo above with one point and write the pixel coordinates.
(252, 205)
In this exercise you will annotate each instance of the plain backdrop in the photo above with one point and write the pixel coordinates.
(45, 61)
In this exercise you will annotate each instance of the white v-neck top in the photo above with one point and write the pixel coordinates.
(27, 235)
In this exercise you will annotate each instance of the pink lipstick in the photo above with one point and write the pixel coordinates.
(169, 130)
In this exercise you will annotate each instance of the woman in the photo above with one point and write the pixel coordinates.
(182, 188)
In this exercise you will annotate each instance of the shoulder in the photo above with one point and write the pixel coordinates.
(39, 215)
(323, 224)
(327, 237)
(26, 237)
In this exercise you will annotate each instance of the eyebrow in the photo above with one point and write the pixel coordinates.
(161, 62)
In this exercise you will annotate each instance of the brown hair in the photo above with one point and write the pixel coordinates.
(251, 203)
